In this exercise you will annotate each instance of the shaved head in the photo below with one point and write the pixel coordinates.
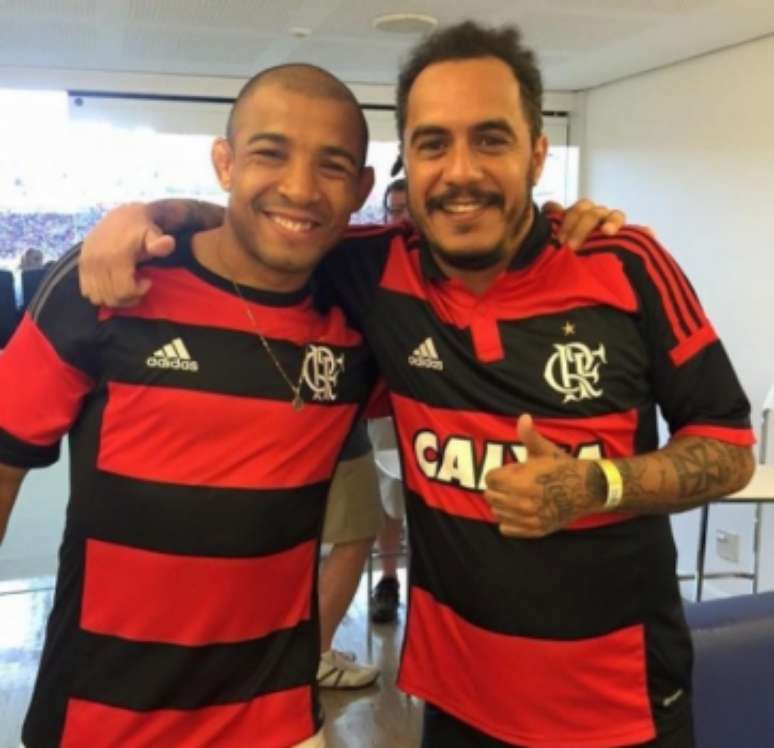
(307, 80)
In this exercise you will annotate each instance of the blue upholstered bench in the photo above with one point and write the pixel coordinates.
(734, 671)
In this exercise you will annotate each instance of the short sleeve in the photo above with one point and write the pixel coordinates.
(693, 379)
(47, 369)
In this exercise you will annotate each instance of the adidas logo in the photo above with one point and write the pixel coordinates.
(425, 356)
(173, 355)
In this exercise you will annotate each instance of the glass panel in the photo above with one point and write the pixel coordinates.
(72, 159)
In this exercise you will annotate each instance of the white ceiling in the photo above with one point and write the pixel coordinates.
(581, 43)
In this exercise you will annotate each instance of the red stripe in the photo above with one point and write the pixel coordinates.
(206, 439)
(378, 405)
(41, 394)
(487, 342)
(276, 720)
(189, 600)
(689, 347)
(402, 273)
(742, 437)
(170, 299)
(557, 281)
(537, 692)
(614, 433)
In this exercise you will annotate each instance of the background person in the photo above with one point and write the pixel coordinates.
(352, 520)
(385, 598)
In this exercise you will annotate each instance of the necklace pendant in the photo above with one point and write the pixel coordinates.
(298, 403)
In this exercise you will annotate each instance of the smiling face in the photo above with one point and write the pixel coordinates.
(293, 171)
(470, 163)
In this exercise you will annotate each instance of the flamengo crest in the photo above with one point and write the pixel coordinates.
(320, 371)
(573, 371)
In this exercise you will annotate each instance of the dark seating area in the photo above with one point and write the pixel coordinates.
(9, 315)
(734, 671)
(30, 280)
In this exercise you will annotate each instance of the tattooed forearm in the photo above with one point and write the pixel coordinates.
(706, 468)
(176, 215)
(684, 474)
(642, 478)
(562, 494)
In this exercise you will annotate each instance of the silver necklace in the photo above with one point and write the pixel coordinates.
(298, 401)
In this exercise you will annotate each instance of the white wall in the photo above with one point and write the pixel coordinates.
(689, 150)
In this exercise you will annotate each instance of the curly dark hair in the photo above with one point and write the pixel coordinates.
(470, 40)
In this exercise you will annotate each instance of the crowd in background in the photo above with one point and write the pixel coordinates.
(51, 233)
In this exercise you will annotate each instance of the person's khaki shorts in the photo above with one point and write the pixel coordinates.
(354, 509)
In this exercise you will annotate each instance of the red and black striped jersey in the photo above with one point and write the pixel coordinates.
(185, 611)
(577, 639)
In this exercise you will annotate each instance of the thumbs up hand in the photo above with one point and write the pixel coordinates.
(544, 494)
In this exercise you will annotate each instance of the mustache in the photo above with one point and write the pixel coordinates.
(485, 197)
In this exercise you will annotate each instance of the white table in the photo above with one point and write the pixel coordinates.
(759, 491)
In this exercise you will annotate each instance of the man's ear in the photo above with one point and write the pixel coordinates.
(223, 160)
(366, 181)
(539, 154)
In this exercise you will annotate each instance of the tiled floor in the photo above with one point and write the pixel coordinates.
(377, 717)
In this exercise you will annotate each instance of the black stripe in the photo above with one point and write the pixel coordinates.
(517, 383)
(63, 267)
(142, 676)
(21, 454)
(569, 585)
(192, 520)
(704, 389)
(227, 362)
(66, 319)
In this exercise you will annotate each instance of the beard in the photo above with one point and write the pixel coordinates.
(471, 259)
(482, 258)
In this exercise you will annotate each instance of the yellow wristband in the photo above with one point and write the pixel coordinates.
(614, 483)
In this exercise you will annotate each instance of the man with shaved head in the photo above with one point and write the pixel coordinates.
(204, 425)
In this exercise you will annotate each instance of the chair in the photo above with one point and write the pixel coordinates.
(9, 314)
(30, 280)
(733, 674)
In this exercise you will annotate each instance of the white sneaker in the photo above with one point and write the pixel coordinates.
(339, 670)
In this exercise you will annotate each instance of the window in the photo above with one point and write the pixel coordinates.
(69, 158)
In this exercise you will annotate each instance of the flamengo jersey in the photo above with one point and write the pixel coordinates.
(185, 613)
(577, 639)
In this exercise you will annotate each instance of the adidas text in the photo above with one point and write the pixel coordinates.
(175, 363)
(426, 363)
(425, 356)
(173, 355)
